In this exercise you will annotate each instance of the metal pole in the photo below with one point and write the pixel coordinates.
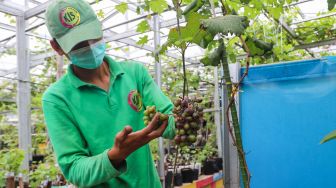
(225, 134)
(158, 81)
(216, 100)
(297, 3)
(234, 159)
(217, 113)
(316, 18)
(23, 90)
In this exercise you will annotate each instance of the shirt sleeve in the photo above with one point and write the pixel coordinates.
(152, 95)
(71, 150)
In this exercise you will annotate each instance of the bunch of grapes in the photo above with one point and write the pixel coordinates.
(189, 119)
(150, 113)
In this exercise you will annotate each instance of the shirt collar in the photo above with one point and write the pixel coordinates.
(115, 70)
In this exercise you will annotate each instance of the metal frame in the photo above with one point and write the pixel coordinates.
(23, 98)
(157, 44)
(10, 9)
(316, 44)
(316, 18)
(26, 62)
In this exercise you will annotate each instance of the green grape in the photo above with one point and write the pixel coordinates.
(149, 114)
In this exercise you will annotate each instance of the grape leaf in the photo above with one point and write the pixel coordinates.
(138, 10)
(276, 12)
(245, 1)
(186, 1)
(143, 40)
(331, 4)
(122, 7)
(215, 57)
(258, 47)
(199, 36)
(263, 45)
(251, 12)
(194, 81)
(143, 26)
(230, 24)
(190, 33)
(193, 7)
(254, 50)
(100, 13)
(330, 136)
(173, 37)
(146, 6)
(158, 6)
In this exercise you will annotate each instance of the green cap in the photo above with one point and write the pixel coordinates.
(71, 22)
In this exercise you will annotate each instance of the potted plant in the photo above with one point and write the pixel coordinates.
(43, 175)
(178, 181)
(10, 179)
(195, 169)
(205, 157)
(10, 162)
(187, 175)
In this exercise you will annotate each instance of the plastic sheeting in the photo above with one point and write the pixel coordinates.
(285, 111)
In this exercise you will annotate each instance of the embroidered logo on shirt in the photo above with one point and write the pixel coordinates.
(134, 100)
(69, 17)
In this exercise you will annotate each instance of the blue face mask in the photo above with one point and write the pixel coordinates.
(90, 57)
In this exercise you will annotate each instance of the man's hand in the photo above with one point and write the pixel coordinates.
(126, 141)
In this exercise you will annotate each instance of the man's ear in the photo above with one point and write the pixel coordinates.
(56, 47)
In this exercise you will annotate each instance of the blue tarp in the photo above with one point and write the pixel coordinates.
(285, 110)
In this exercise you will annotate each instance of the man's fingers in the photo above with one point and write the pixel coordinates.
(163, 127)
(158, 132)
(152, 125)
(122, 135)
(128, 129)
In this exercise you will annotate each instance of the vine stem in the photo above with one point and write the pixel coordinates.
(234, 91)
(175, 162)
(185, 87)
(184, 81)
(183, 49)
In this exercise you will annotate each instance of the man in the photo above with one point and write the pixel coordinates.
(94, 113)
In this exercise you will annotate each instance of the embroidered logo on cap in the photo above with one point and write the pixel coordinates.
(69, 17)
(134, 100)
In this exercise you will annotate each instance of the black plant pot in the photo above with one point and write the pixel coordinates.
(16, 183)
(38, 158)
(210, 167)
(219, 162)
(187, 175)
(195, 174)
(178, 179)
(49, 184)
(169, 179)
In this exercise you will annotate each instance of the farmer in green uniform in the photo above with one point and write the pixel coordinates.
(94, 113)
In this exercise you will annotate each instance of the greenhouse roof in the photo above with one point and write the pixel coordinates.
(120, 31)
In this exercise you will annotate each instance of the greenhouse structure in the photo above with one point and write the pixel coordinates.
(246, 88)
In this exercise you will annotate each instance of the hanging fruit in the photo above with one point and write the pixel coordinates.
(189, 119)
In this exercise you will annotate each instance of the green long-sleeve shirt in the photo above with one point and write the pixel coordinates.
(83, 120)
